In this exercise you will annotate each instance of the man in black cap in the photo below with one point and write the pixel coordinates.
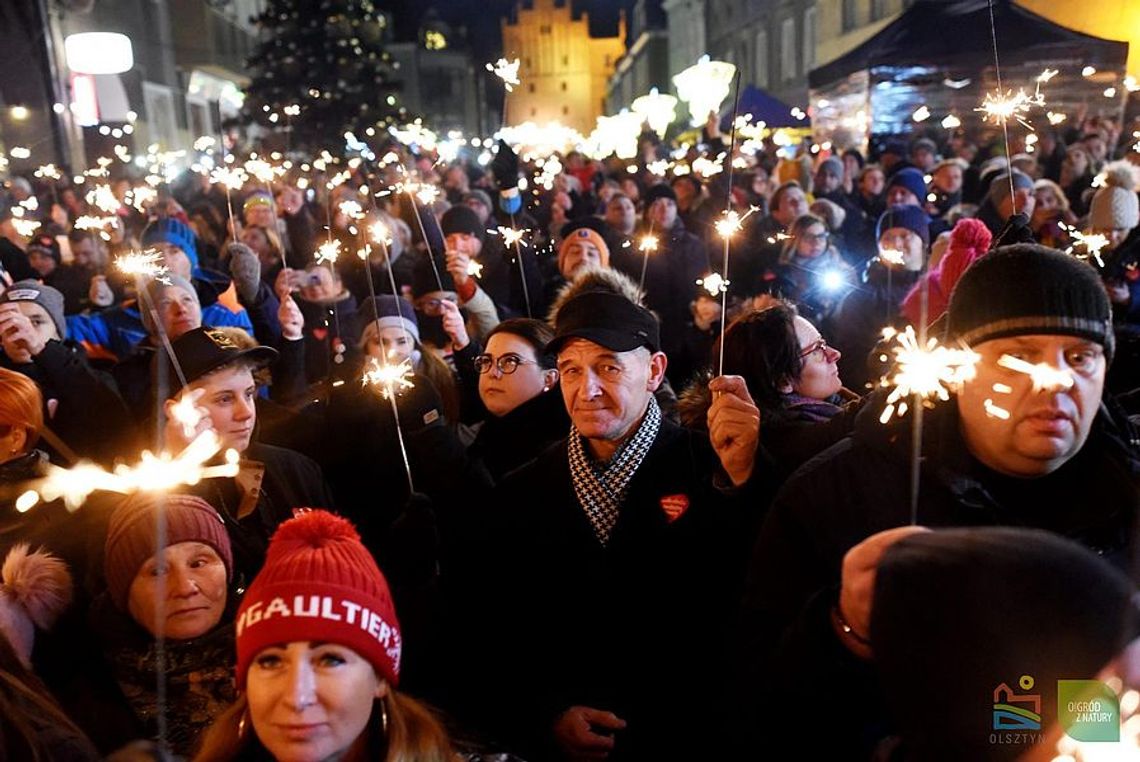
(1031, 440)
(622, 548)
(273, 481)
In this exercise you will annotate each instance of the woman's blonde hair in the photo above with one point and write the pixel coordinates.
(412, 733)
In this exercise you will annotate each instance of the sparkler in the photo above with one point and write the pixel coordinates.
(474, 269)
(390, 379)
(1000, 108)
(104, 198)
(153, 473)
(926, 372)
(704, 86)
(351, 209)
(714, 284)
(511, 236)
(101, 224)
(1093, 243)
(144, 264)
(659, 167)
(508, 71)
(329, 251)
(26, 228)
(514, 237)
(1044, 376)
(656, 108)
(231, 180)
(186, 413)
(892, 257)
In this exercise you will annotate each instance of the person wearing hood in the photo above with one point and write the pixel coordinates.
(857, 325)
(112, 334)
(82, 407)
(1005, 198)
(1047, 450)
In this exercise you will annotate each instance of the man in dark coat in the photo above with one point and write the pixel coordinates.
(1030, 441)
(272, 482)
(631, 549)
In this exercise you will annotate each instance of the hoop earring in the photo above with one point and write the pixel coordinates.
(243, 724)
(384, 717)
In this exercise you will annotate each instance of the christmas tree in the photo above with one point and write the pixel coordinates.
(320, 70)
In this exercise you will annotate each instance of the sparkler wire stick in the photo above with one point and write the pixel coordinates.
(727, 209)
(916, 422)
(423, 234)
(1004, 125)
(522, 268)
(645, 256)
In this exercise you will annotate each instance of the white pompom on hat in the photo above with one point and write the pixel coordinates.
(35, 588)
(1115, 206)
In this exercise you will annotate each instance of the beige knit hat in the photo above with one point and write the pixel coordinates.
(1115, 206)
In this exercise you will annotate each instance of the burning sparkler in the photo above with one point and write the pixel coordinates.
(1092, 243)
(925, 373)
(186, 413)
(714, 284)
(511, 236)
(144, 264)
(351, 209)
(474, 269)
(999, 108)
(232, 178)
(389, 378)
(508, 71)
(329, 251)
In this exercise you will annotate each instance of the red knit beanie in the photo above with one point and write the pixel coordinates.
(132, 536)
(319, 583)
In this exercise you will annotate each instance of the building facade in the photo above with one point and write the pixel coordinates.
(846, 24)
(645, 64)
(564, 71)
(687, 38)
(773, 42)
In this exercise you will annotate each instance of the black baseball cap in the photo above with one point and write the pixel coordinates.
(203, 350)
(607, 319)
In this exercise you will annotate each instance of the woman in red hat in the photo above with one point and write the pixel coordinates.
(318, 659)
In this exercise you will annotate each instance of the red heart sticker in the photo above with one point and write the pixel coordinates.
(320, 333)
(674, 506)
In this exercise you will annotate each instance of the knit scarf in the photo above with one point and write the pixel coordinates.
(601, 487)
(809, 408)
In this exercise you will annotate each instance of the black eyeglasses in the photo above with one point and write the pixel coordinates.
(815, 346)
(507, 364)
(816, 237)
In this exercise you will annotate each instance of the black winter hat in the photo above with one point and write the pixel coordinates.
(1025, 289)
(462, 219)
(966, 619)
(661, 190)
(45, 244)
(423, 276)
(607, 319)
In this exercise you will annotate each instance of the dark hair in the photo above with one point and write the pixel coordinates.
(534, 332)
(774, 202)
(763, 348)
(26, 709)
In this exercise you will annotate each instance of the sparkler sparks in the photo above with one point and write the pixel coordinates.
(390, 378)
(379, 233)
(648, 243)
(474, 269)
(48, 171)
(329, 251)
(144, 264)
(260, 169)
(892, 257)
(26, 228)
(426, 194)
(508, 71)
(999, 108)
(103, 197)
(659, 167)
(732, 222)
(714, 284)
(351, 209)
(186, 412)
(993, 411)
(1092, 243)
(511, 236)
(927, 372)
(153, 473)
(1044, 376)
(233, 179)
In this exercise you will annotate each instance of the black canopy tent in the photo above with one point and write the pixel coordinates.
(940, 54)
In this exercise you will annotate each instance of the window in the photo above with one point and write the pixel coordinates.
(850, 15)
(565, 60)
(162, 127)
(809, 39)
(530, 87)
(788, 49)
(762, 58)
(878, 9)
(563, 87)
(544, 29)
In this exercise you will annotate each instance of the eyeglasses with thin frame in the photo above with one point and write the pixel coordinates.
(817, 237)
(819, 345)
(507, 364)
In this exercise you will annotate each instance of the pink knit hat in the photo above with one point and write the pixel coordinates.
(319, 583)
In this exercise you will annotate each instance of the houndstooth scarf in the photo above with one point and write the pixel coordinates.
(601, 488)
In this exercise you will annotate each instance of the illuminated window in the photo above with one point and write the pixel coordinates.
(434, 40)
(788, 49)
(762, 58)
(544, 29)
(563, 87)
(809, 38)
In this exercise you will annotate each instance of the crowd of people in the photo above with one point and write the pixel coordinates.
(581, 479)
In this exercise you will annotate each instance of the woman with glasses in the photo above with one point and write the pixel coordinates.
(793, 376)
(817, 274)
(518, 387)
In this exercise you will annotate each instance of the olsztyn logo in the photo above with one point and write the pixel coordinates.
(1013, 711)
(1088, 710)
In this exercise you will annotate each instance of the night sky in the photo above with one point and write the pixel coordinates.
(482, 18)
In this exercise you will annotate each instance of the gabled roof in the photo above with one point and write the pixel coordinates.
(939, 32)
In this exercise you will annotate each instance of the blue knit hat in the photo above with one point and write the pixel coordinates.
(388, 310)
(174, 232)
(911, 179)
(905, 216)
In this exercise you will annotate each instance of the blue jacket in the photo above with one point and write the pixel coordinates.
(114, 333)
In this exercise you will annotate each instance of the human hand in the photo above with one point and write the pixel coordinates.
(99, 292)
(857, 588)
(185, 419)
(291, 319)
(453, 324)
(575, 732)
(457, 264)
(20, 338)
(283, 285)
(734, 427)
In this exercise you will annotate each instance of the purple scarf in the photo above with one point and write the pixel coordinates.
(809, 409)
